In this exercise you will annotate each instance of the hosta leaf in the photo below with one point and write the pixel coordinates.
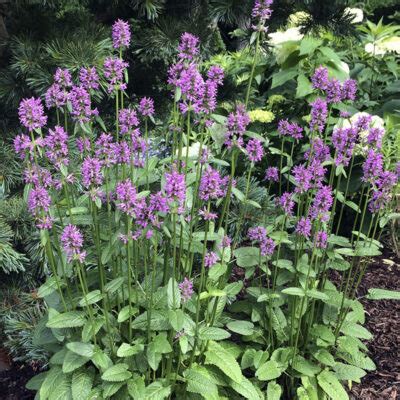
(274, 391)
(246, 389)
(268, 371)
(383, 294)
(117, 373)
(345, 372)
(73, 361)
(331, 386)
(218, 356)
(91, 298)
(81, 385)
(212, 333)
(71, 319)
(241, 327)
(82, 349)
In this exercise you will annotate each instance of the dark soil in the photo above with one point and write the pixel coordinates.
(382, 320)
(13, 380)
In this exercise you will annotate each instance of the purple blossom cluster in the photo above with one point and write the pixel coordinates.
(210, 259)
(321, 240)
(175, 188)
(146, 107)
(319, 114)
(303, 227)
(259, 234)
(72, 242)
(255, 150)
(186, 289)
(39, 202)
(344, 141)
(236, 125)
(261, 13)
(127, 199)
(272, 174)
(121, 34)
(321, 204)
(382, 191)
(286, 203)
(31, 114)
(56, 143)
(56, 96)
(212, 185)
(91, 170)
(334, 90)
(114, 73)
(81, 104)
(286, 128)
(89, 78)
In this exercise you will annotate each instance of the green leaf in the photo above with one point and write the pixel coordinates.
(355, 330)
(241, 327)
(198, 377)
(83, 349)
(218, 356)
(246, 389)
(316, 294)
(268, 371)
(73, 361)
(213, 333)
(136, 387)
(36, 381)
(383, 294)
(217, 271)
(274, 391)
(109, 388)
(305, 367)
(52, 379)
(331, 386)
(81, 385)
(114, 285)
(238, 194)
(294, 291)
(324, 357)
(106, 254)
(126, 350)
(126, 312)
(247, 256)
(304, 87)
(48, 287)
(283, 76)
(176, 319)
(71, 319)
(161, 344)
(345, 372)
(156, 391)
(308, 45)
(91, 298)
(174, 294)
(117, 373)
(92, 328)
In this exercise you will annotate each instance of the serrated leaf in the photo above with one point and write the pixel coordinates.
(345, 372)
(305, 367)
(213, 333)
(221, 358)
(294, 291)
(383, 294)
(114, 285)
(126, 312)
(117, 373)
(246, 389)
(324, 357)
(331, 386)
(126, 350)
(173, 294)
(73, 361)
(247, 256)
(81, 385)
(91, 298)
(241, 327)
(355, 330)
(48, 287)
(70, 319)
(82, 349)
(268, 371)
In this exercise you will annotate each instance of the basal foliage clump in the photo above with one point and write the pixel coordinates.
(153, 293)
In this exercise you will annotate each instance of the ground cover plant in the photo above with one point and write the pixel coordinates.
(207, 266)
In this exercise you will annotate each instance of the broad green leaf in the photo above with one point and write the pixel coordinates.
(294, 291)
(70, 319)
(81, 385)
(316, 294)
(345, 372)
(126, 350)
(136, 387)
(383, 294)
(198, 377)
(176, 319)
(52, 379)
(174, 295)
(73, 361)
(247, 256)
(126, 312)
(92, 328)
(110, 388)
(246, 389)
(241, 327)
(161, 344)
(36, 381)
(217, 271)
(213, 333)
(305, 367)
(304, 87)
(82, 349)
(324, 357)
(49, 287)
(268, 371)
(114, 285)
(221, 358)
(309, 44)
(91, 298)
(331, 386)
(355, 330)
(156, 391)
(274, 391)
(281, 77)
(117, 373)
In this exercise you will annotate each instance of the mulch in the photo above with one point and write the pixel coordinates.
(382, 320)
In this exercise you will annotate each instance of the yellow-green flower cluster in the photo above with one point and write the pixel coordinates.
(261, 116)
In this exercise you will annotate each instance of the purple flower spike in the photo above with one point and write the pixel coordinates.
(303, 227)
(255, 151)
(146, 107)
(236, 125)
(188, 47)
(81, 105)
(349, 89)
(261, 11)
(175, 188)
(320, 78)
(114, 72)
(31, 114)
(272, 174)
(72, 242)
(186, 288)
(321, 239)
(89, 78)
(259, 234)
(212, 185)
(319, 114)
(57, 146)
(121, 34)
(63, 78)
(287, 203)
(91, 172)
(210, 259)
(56, 96)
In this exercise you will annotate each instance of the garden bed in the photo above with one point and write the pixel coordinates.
(382, 320)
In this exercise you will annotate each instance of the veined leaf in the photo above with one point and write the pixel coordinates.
(70, 319)
(274, 391)
(213, 333)
(117, 373)
(268, 371)
(83, 349)
(241, 327)
(81, 385)
(331, 386)
(49, 286)
(383, 294)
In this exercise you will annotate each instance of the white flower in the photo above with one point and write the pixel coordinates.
(375, 49)
(356, 13)
(296, 18)
(194, 149)
(392, 44)
(290, 35)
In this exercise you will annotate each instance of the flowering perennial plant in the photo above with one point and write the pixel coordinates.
(153, 273)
